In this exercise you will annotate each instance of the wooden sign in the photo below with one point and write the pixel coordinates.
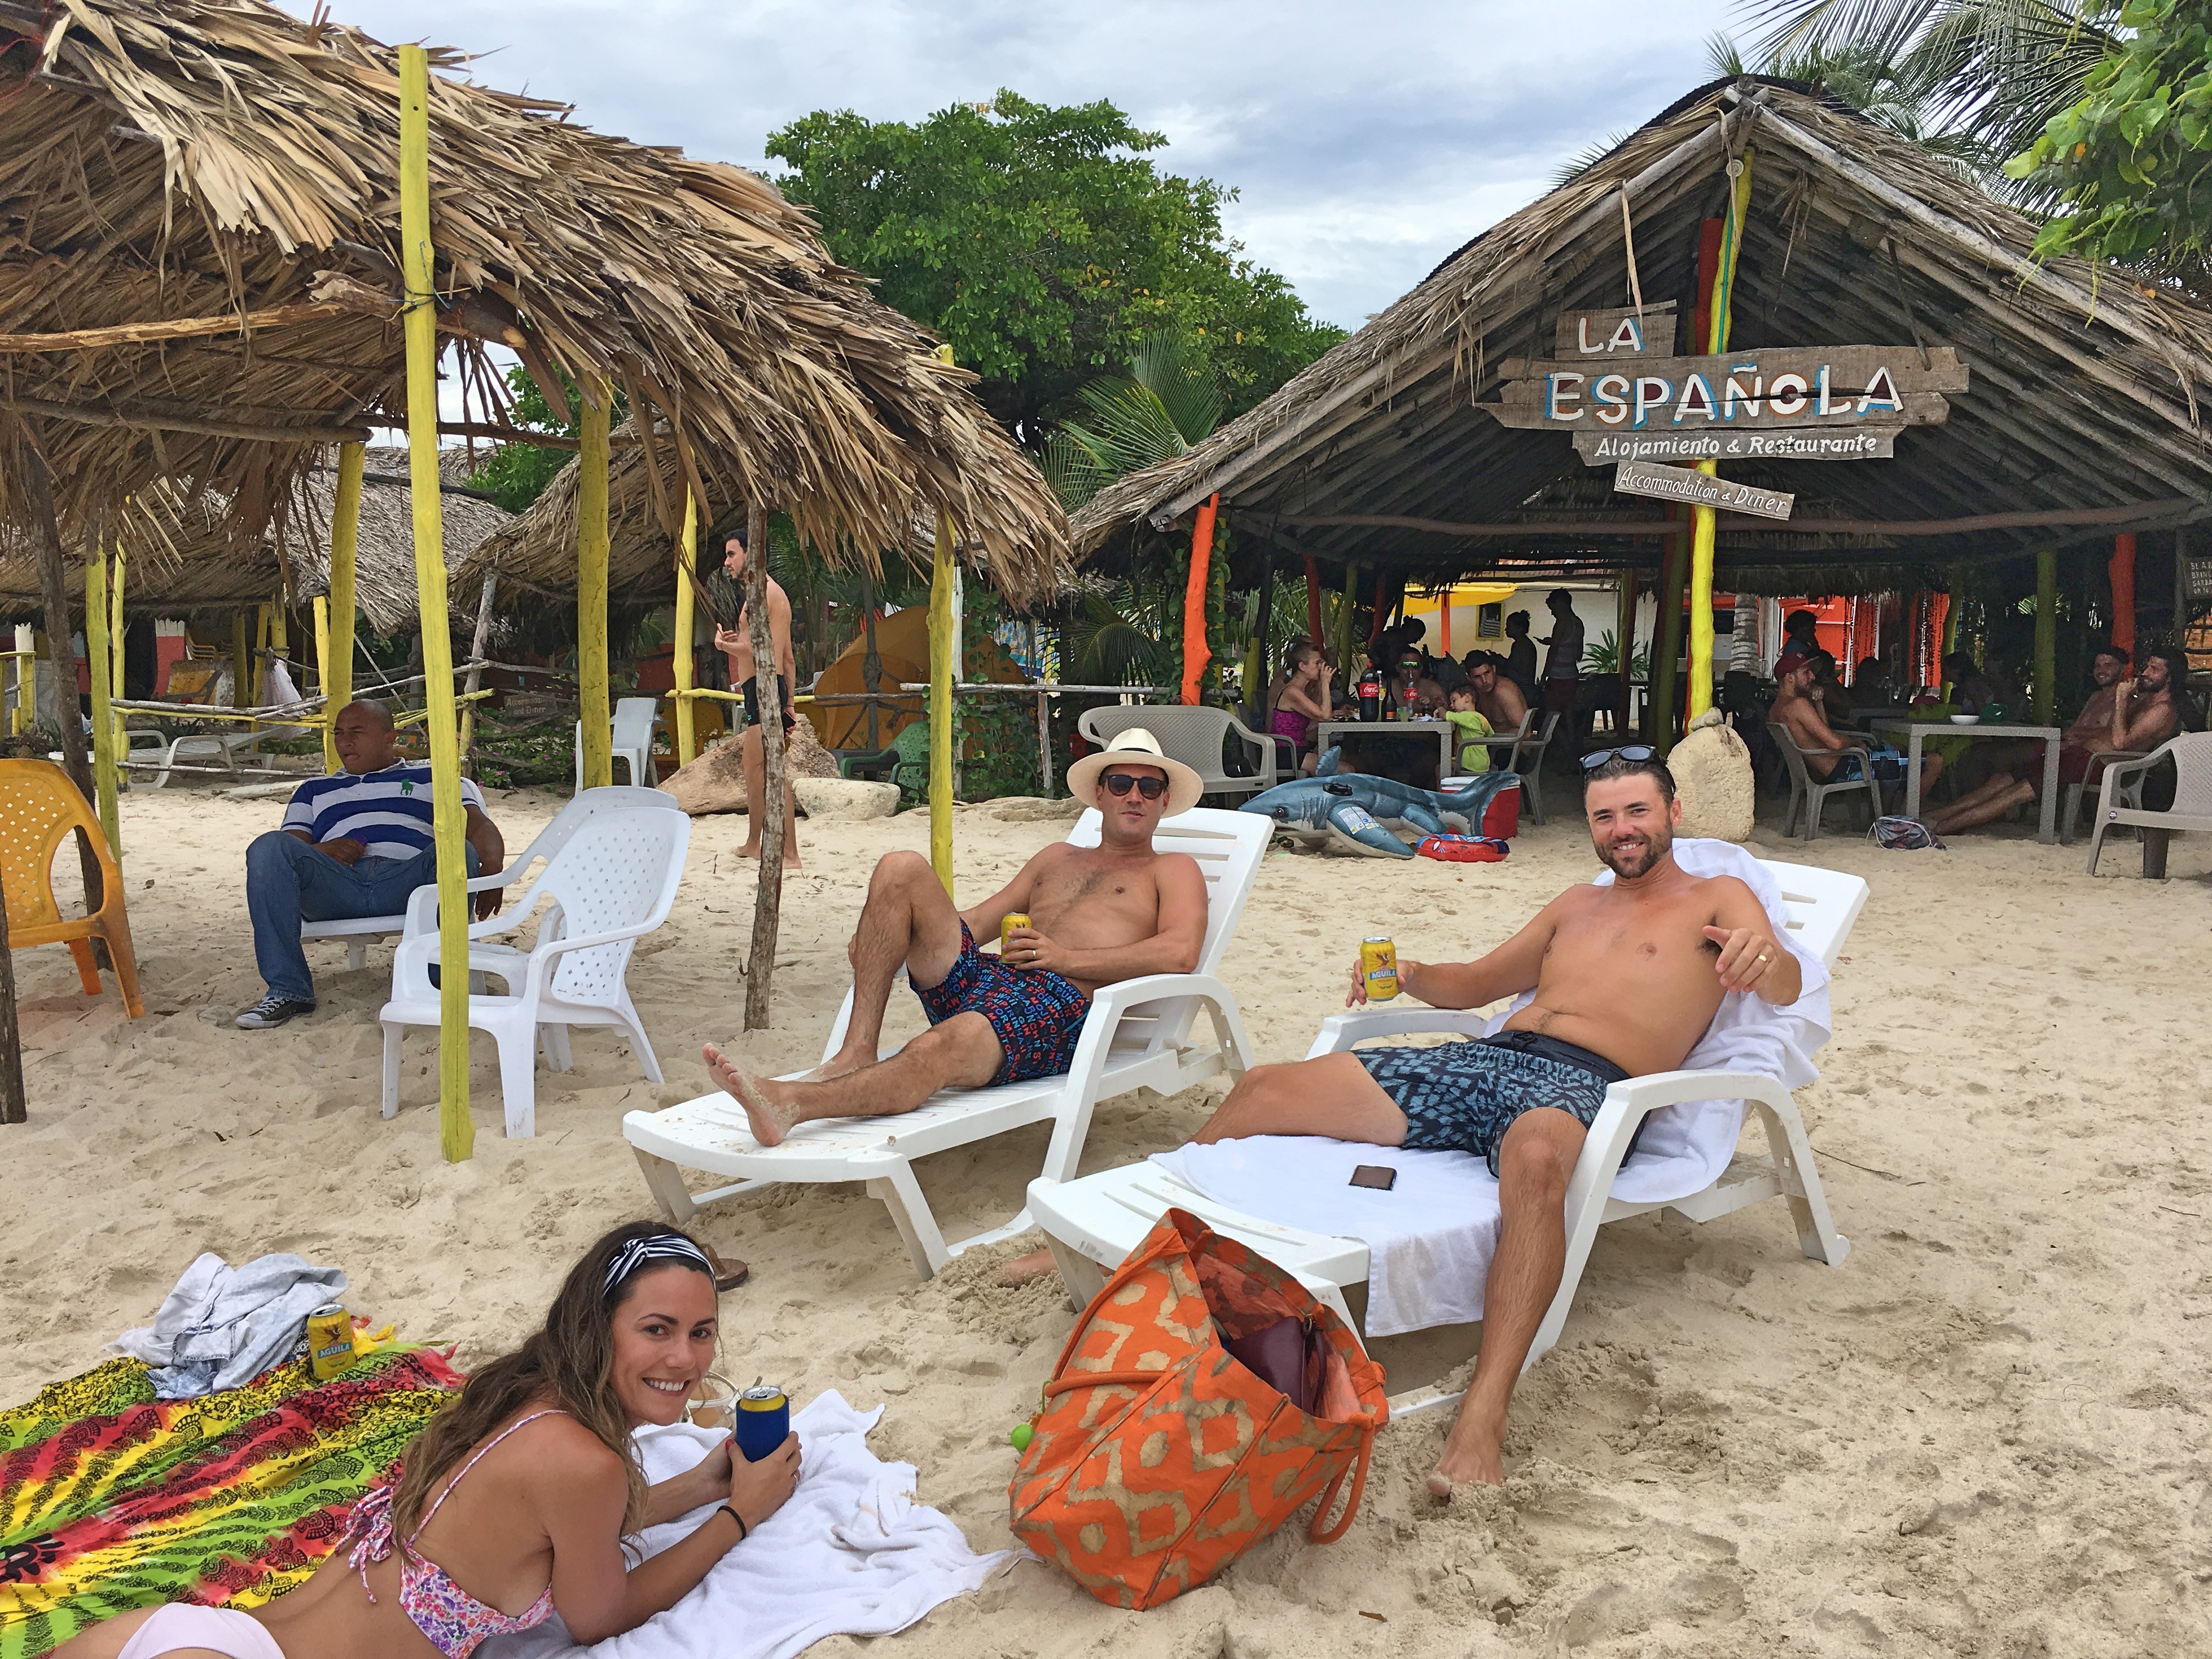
(1600, 447)
(1610, 334)
(1680, 483)
(1791, 388)
(2200, 579)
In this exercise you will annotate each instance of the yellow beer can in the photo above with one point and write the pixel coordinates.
(330, 1341)
(1010, 920)
(1378, 964)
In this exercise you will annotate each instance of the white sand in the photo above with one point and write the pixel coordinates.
(1984, 1433)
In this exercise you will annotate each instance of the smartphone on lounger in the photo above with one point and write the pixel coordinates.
(1381, 1176)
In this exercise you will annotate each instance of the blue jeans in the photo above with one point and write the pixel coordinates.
(288, 882)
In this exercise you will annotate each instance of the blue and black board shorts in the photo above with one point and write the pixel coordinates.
(1463, 1097)
(1036, 1015)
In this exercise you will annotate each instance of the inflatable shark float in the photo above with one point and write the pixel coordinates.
(1352, 809)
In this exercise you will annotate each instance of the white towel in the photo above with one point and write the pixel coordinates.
(1429, 1238)
(851, 1554)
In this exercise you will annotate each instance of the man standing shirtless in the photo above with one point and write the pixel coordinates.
(1626, 978)
(1097, 916)
(737, 644)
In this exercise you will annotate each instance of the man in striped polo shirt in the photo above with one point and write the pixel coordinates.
(353, 845)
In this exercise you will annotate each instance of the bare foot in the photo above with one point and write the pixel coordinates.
(771, 1120)
(791, 863)
(1021, 1269)
(1472, 1453)
(750, 850)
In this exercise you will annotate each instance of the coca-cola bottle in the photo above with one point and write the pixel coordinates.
(1370, 695)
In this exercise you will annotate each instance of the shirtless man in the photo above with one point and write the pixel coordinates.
(1498, 698)
(1798, 707)
(2137, 715)
(737, 644)
(1627, 979)
(1099, 916)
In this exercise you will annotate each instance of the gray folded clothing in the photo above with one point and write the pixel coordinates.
(222, 1326)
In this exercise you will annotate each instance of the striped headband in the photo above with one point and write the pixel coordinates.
(654, 1246)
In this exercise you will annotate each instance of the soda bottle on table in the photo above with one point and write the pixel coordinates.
(1370, 695)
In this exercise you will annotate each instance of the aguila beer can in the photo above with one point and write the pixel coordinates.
(330, 1341)
(1012, 920)
(1378, 965)
(763, 1420)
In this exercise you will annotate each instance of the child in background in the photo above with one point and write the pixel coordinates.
(1467, 722)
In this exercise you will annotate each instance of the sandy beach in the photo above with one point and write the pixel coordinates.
(1984, 1433)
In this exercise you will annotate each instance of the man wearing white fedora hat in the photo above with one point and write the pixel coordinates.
(1097, 916)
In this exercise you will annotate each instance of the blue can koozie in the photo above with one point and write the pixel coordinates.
(763, 1420)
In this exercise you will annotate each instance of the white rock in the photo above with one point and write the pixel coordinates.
(846, 797)
(1713, 780)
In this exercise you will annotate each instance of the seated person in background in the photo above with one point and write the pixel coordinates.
(1411, 674)
(536, 1456)
(1627, 979)
(1870, 683)
(1303, 699)
(1496, 695)
(1828, 686)
(2135, 716)
(1800, 712)
(1468, 723)
(1098, 914)
(353, 845)
(1973, 691)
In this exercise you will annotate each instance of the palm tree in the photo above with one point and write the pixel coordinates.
(1169, 401)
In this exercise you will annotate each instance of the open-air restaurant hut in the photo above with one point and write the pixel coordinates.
(235, 238)
(1760, 284)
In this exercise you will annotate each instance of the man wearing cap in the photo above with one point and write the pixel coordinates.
(1097, 916)
(1799, 710)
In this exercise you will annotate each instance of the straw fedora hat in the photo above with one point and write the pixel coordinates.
(1184, 786)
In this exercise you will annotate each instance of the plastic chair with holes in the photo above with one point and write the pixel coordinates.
(631, 741)
(39, 807)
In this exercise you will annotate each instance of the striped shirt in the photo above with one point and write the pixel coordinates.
(387, 812)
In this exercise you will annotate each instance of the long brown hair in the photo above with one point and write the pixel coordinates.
(568, 1363)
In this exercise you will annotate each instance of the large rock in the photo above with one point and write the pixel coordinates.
(846, 797)
(803, 756)
(1034, 809)
(715, 782)
(1713, 780)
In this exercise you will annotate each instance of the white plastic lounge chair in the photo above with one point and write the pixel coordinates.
(358, 931)
(1137, 1035)
(632, 740)
(612, 884)
(1195, 735)
(1092, 1223)
(2191, 753)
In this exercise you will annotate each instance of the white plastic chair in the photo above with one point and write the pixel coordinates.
(1811, 793)
(1193, 734)
(632, 740)
(612, 884)
(1137, 1035)
(1093, 1222)
(2192, 754)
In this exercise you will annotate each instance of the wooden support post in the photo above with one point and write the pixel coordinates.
(1196, 653)
(241, 663)
(1258, 660)
(456, 1130)
(322, 615)
(943, 627)
(116, 629)
(767, 895)
(1625, 636)
(684, 657)
(1667, 642)
(1313, 598)
(1705, 520)
(53, 589)
(871, 660)
(591, 704)
(2045, 700)
(97, 620)
(345, 543)
(1344, 622)
(479, 643)
(14, 1107)
(1444, 623)
(2123, 570)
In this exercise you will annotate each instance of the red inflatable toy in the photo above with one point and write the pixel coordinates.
(1463, 850)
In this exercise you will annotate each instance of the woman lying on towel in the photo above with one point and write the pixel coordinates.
(545, 1433)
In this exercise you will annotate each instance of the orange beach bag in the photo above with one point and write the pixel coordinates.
(1158, 1458)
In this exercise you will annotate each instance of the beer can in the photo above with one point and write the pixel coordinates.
(330, 1341)
(1378, 965)
(1010, 920)
(763, 1420)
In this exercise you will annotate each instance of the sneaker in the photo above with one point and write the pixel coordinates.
(272, 1011)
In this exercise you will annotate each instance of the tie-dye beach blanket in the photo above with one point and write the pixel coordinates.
(111, 1499)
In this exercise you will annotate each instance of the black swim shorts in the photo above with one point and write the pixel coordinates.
(751, 689)
(1463, 1097)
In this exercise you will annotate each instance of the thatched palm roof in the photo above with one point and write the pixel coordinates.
(2088, 391)
(180, 160)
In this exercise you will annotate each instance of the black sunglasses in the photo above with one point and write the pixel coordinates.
(1119, 783)
(1633, 751)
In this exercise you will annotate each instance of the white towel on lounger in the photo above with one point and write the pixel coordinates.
(1429, 1238)
(851, 1554)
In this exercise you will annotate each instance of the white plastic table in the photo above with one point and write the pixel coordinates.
(2046, 831)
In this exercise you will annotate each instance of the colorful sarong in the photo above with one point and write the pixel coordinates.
(111, 1499)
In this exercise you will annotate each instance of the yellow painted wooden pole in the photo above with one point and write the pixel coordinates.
(99, 669)
(117, 632)
(1705, 522)
(345, 543)
(591, 706)
(241, 663)
(680, 659)
(2046, 635)
(944, 646)
(456, 1131)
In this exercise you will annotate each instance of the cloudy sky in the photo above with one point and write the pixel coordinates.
(1366, 139)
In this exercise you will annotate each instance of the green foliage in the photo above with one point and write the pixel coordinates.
(1169, 401)
(1043, 243)
(1132, 635)
(518, 473)
(2131, 157)
(1604, 658)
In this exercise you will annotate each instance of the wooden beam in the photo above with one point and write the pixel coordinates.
(150, 420)
(1630, 527)
(176, 328)
(516, 434)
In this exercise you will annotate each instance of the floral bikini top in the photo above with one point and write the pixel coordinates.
(454, 1620)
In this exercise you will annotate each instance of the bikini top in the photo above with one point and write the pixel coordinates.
(454, 1620)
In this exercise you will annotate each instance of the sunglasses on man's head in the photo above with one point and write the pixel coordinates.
(1634, 751)
(1118, 783)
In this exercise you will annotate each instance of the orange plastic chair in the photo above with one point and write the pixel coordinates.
(39, 806)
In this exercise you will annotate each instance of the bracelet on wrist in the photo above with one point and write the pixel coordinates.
(744, 1531)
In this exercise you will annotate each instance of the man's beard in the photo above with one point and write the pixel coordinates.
(1632, 861)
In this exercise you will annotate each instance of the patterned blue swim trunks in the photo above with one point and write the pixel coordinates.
(1463, 1097)
(1037, 1016)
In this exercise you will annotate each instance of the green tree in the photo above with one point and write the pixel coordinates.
(1044, 243)
(518, 473)
(1168, 402)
